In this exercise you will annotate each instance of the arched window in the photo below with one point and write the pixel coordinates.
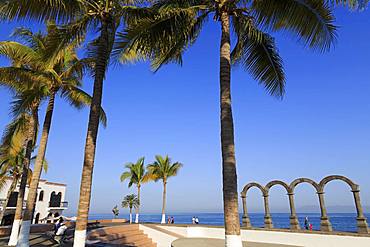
(41, 196)
(55, 199)
(37, 218)
(13, 199)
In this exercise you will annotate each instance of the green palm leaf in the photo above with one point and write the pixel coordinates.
(311, 21)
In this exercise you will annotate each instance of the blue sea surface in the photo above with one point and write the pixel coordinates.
(343, 222)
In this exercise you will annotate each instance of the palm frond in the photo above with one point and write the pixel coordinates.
(311, 21)
(257, 53)
(40, 10)
(161, 37)
(33, 41)
(352, 4)
(18, 53)
(79, 98)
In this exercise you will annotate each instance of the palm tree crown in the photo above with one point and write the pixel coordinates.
(162, 168)
(166, 29)
(135, 173)
(130, 201)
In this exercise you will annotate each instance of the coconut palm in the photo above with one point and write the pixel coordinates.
(103, 17)
(25, 123)
(11, 163)
(130, 201)
(163, 169)
(62, 75)
(168, 28)
(135, 173)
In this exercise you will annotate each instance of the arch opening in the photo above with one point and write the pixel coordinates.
(307, 205)
(279, 205)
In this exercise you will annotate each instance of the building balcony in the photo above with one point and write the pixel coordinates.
(11, 204)
(58, 205)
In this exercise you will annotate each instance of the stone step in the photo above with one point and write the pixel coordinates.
(117, 236)
(139, 242)
(122, 236)
(115, 230)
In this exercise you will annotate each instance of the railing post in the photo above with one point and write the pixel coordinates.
(245, 220)
(362, 226)
(294, 224)
(325, 223)
(268, 219)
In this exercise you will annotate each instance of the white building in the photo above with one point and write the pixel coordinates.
(50, 201)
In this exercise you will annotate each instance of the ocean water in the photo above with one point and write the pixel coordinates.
(344, 222)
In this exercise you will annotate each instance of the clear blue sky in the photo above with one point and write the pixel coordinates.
(321, 127)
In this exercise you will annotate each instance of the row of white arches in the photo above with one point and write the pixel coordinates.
(325, 224)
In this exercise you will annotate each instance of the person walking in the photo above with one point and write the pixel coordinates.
(193, 220)
(306, 223)
(172, 220)
(196, 220)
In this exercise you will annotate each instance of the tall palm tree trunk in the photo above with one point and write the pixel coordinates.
(32, 192)
(130, 215)
(102, 57)
(138, 207)
(230, 193)
(22, 188)
(163, 221)
(11, 189)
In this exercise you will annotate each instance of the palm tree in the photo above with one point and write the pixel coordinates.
(136, 175)
(103, 17)
(11, 164)
(25, 123)
(62, 75)
(167, 28)
(163, 169)
(130, 201)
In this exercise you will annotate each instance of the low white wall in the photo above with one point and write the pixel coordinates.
(183, 231)
(276, 237)
(304, 239)
(158, 237)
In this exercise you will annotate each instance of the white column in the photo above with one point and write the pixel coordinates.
(24, 234)
(79, 238)
(233, 241)
(14, 235)
(163, 221)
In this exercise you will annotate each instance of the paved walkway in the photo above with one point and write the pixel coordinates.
(38, 240)
(42, 240)
(212, 242)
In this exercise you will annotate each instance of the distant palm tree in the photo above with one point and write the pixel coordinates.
(163, 169)
(136, 175)
(130, 201)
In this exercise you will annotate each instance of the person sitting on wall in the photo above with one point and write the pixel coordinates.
(59, 234)
(58, 224)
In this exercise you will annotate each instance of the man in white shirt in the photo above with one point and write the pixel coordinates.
(60, 233)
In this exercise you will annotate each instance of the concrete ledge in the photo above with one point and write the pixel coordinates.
(353, 234)
(107, 221)
(37, 228)
(213, 242)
